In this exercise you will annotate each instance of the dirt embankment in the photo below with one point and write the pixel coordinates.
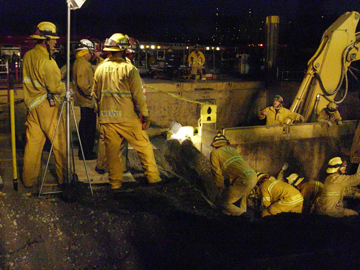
(170, 226)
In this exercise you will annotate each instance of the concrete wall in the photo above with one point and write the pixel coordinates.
(233, 99)
(306, 147)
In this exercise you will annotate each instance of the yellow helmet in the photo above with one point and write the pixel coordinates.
(45, 30)
(279, 98)
(334, 165)
(219, 140)
(117, 43)
(294, 179)
(261, 177)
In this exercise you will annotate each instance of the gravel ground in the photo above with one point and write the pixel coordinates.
(170, 226)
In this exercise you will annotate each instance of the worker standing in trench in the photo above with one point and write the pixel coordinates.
(278, 115)
(233, 176)
(330, 115)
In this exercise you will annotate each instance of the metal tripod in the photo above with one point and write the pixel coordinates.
(72, 5)
(71, 177)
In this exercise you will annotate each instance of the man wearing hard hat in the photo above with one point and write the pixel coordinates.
(83, 80)
(330, 201)
(196, 61)
(277, 114)
(119, 95)
(233, 176)
(310, 190)
(330, 115)
(42, 95)
(277, 196)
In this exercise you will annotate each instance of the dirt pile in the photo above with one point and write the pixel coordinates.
(169, 226)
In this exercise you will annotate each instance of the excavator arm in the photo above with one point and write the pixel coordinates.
(328, 68)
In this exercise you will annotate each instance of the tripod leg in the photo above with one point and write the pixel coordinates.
(51, 148)
(82, 151)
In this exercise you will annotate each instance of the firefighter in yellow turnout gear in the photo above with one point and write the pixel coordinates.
(83, 80)
(233, 176)
(277, 114)
(309, 190)
(277, 196)
(118, 92)
(42, 95)
(196, 61)
(330, 115)
(330, 201)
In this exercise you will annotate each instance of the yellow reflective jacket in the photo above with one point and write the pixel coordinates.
(196, 58)
(330, 202)
(324, 116)
(227, 164)
(283, 194)
(280, 117)
(310, 191)
(118, 91)
(40, 76)
(83, 81)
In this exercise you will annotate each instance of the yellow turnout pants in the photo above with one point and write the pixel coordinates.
(40, 123)
(131, 131)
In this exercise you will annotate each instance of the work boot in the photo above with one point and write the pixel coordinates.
(115, 184)
(100, 171)
(155, 181)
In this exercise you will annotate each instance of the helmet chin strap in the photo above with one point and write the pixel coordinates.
(48, 47)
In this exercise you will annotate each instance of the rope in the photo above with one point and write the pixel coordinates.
(178, 96)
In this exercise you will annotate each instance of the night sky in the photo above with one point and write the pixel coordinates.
(149, 19)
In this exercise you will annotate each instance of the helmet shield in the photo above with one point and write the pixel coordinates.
(117, 42)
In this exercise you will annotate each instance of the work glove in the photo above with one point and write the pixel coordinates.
(145, 122)
(285, 166)
(329, 123)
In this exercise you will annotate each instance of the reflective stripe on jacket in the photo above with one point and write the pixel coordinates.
(330, 201)
(226, 163)
(118, 91)
(272, 191)
(40, 75)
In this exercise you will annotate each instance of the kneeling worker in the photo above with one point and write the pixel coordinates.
(330, 201)
(277, 196)
(233, 176)
(310, 191)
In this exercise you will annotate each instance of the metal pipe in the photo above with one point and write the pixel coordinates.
(13, 140)
(67, 98)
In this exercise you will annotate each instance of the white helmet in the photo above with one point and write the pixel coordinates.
(85, 44)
